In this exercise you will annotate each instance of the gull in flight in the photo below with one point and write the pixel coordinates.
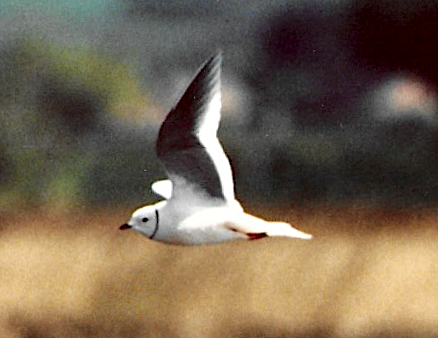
(199, 206)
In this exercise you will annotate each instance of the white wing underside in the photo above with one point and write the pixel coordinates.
(207, 135)
(163, 188)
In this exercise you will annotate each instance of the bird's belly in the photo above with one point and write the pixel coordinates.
(204, 236)
(204, 227)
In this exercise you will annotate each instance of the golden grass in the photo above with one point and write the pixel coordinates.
(368, 272)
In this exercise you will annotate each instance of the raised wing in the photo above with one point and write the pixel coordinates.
(187, 142)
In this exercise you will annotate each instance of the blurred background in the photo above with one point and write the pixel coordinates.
(329, 120)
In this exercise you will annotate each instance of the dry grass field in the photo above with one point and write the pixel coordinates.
(368, 273)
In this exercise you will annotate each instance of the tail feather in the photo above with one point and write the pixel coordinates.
(254, 228)
(286, 230)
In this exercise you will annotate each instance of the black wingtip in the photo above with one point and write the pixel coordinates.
(216, 58)
(212, 66)
(180, 125)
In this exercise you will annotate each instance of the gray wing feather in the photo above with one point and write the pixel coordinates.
(187, 142)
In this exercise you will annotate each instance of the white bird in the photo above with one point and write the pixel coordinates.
(199, 206)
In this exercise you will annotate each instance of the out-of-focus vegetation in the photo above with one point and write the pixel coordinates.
(368, 273)
(334, 106)
(61, 108)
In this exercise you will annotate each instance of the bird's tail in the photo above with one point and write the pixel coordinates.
(286, 230)
(254, 228)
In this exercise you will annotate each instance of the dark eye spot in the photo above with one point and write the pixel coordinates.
(145, 219)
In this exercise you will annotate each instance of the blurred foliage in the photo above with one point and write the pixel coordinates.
(191, 9)
(71, 71)
(395, 35)
(75, 275)
(79, 126)
(59, 107)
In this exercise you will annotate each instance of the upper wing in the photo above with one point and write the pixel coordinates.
(187, 141)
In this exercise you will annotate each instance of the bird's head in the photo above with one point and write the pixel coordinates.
(145, 220)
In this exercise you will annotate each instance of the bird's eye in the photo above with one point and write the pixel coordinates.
(145, 219)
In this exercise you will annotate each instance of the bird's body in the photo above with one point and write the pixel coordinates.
(195, 226)
(199, 205)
